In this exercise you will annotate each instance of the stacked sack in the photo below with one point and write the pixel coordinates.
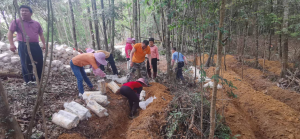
(62, 54)
(9, 61)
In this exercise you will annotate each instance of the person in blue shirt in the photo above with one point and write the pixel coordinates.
(180, 60)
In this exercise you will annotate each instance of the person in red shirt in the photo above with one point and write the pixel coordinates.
(132, 90)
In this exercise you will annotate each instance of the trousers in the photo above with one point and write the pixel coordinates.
(143, 71)
(179, 71)
(112, 63)
(80, 75)
(37, 55)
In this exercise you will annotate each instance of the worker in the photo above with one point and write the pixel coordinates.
(128, 49)
(34, 31)
(131, 91)
(81, 60)
(137, 58)
(154, 57)
(180, 60)
(133, 41)
(109, 57)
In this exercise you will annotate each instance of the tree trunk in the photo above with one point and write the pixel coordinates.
(285, 38)
(217, 72)
(8, 121)
(139, 19)
(135, 20)
(168, 49)
(90, 24)
(73, 25)
(95, 18)
(207, 64)
(4, 17)
(104, 27)
(270, 32)
(112, 43)
(256, 36)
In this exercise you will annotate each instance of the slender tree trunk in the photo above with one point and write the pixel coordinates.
(217, 72)
(64, 26)
(168, 49)
(96, 21)
(139, 19)
(207, 64)
(270, 32)
(104, 27)
(4, 17)
(8, 121)
(112, 43)
(73, 25)
(285, 47)
(90, 24)
(135, 19)
(256, 37)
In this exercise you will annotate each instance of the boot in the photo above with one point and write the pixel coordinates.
(154, 75)
(149, 73)
(133, 110)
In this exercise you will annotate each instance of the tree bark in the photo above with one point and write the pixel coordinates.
(217, 72)
(256, 36)
(207, 64)
(73, 25)
(139, 19)
(285, 38)
(4, 17)
(135, 20)
(112, 44)
(270, 32)
(95, 18)
(90, 24)
(168, 47)
(104, 27)
(8, 121)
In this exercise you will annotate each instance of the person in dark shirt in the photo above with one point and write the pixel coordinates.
(132, 90)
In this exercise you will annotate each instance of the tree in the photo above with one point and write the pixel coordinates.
(73, 25)
(285, 47)
(112, 43)
(135, 20)
(90, 25)
(217, 72)
(168, 40)
(95, 18)
(104, 26)
(256, 35)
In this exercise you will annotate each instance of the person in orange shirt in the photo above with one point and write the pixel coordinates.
(137, 58)
(77, 63)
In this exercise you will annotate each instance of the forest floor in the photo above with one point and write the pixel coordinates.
(261, 109)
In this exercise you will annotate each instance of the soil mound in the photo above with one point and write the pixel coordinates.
(149, 121)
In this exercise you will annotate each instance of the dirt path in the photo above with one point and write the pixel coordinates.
(254, 114)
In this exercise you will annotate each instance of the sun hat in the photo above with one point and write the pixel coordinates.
(133, 39)
(100, 58)
(89, 50)
(142, 80)
(129, 40)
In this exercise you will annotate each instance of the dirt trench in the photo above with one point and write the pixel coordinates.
(255, 114)
(118, 126)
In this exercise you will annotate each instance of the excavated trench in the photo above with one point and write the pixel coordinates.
(257, 113)
(118, 126)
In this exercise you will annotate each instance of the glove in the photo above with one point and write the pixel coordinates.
(98, 72)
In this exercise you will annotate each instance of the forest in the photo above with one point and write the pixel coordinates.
(240, 78)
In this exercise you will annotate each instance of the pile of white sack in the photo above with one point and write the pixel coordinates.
(9, 61)
(74, 112)
(62, 54)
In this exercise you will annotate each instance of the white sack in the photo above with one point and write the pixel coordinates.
(65, 119)
(86, 94)
(96, 108)
(77, 109)
(101, 99)
(144, 104)
(211, 85)
(142, 95)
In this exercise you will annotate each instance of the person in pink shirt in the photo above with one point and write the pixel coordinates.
(155, 58)
(128, 49)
